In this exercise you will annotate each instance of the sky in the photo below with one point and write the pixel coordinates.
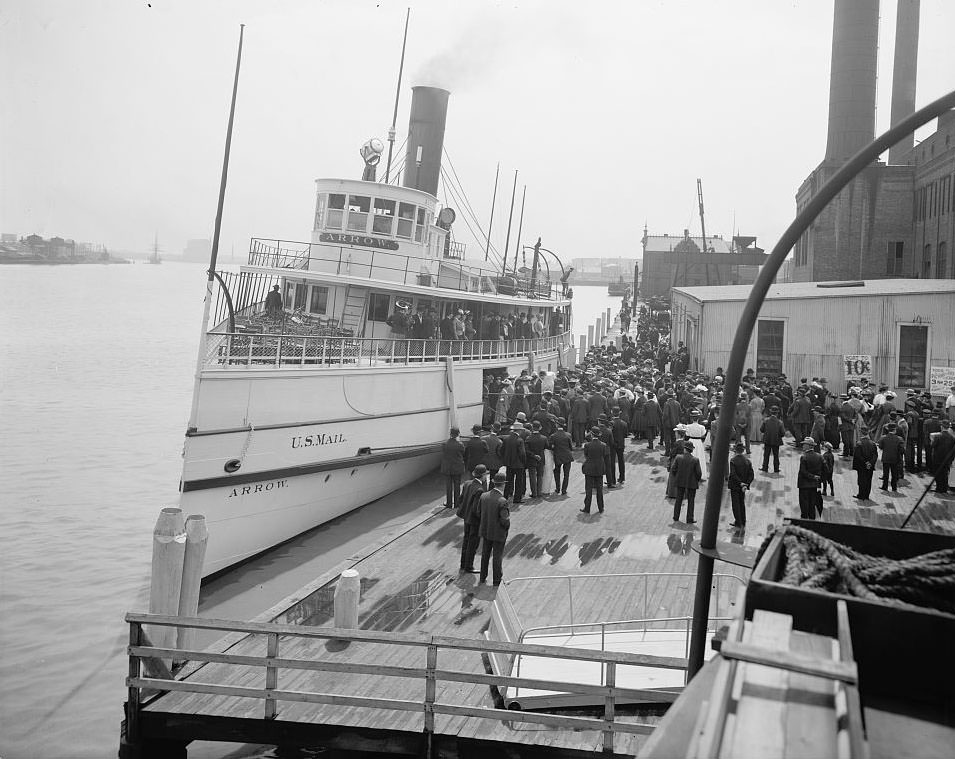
(113, 112)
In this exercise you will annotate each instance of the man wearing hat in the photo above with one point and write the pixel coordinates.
(892, 447)
(579, 413)
(686, 476)
(469, 510)
(561, 445)
(740, 477)
(847, 426)
(802, 415)
(808, 479)
(475, 449)
(452, 467)
(865, 455)
(930, 425)
(494, 524)
(943, 449)
(514, 459)
(535, 445)
(594, 468)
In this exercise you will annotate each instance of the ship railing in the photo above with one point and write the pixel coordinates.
(256, 350)
(149, 678)
(392, 267)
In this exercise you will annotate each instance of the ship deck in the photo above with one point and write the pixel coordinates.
(410, 584)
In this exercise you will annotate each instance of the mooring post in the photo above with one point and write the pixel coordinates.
(590, 340)
(197, 537)
(347, 595)
(169, 547)
(583, 350)
(599, 329)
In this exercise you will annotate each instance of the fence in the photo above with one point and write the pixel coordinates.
(271, 694)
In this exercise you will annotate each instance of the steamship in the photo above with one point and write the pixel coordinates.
(316, 390)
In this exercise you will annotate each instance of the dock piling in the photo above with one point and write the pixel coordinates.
(197, 537)
(347, 595)
(590, 339)
(169, 546)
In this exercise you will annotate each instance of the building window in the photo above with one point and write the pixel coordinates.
(893, 261)
(927, 262)
(384, 219)
(320, 209)
(913, 355)
(941, 261)
(379, 307)
(318, 304)
(358, 208)
(336, 211)
(769, 346)
(406, 214)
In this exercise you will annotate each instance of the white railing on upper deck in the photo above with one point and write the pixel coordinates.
(390, 266)
(251, 350)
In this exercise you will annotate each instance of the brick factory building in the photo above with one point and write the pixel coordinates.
(896, 218)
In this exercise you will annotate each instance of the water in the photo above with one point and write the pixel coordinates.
(96, 368)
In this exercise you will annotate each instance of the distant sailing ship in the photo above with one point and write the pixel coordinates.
(154, 257)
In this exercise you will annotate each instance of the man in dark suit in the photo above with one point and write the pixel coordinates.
(653, 418)
(452, 467)
(495, 522)
(808, 478)
(606, 436)
(801, 416)
(893, 448)
(740, 477)
(578, 420)
(470, 512)
(670, 414)
(514, 458)
(773, 432)
(561, 445)
(687, 474)
(492, 459)
(943, 446)
(865, 455)
(619, 429)
(534, 447)
(930, 425)
(475, 449)
(594, 468)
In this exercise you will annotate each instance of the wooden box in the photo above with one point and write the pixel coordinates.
(902, 652)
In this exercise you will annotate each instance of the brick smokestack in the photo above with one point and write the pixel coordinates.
(429, 111)
(903, 73)
(855, 40)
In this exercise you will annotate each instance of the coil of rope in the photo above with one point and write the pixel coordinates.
(813, 561)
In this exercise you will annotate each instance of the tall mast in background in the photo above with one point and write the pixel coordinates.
(394, 118)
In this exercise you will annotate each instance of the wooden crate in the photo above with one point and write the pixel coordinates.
(901, 651)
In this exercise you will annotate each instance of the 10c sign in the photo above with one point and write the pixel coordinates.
(858, 367)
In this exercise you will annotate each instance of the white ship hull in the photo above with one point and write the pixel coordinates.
(313, 444)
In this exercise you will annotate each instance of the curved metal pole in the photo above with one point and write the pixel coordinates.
(228, 301)
(734, 370)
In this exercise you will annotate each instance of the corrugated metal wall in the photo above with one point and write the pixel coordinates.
(820, 331)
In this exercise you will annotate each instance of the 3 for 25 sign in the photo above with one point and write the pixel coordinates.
(857, 367)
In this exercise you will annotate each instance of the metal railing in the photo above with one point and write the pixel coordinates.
(142, 654)
(645, 576)
(390, 266)
(250, 349)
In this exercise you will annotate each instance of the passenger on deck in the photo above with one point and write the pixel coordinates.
(273, 302)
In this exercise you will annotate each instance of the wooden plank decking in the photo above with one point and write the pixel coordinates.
(411, 584)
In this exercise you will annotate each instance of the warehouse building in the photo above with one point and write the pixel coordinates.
(897, 331)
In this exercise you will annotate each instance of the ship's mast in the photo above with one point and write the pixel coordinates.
(194, 411)
(394, 118)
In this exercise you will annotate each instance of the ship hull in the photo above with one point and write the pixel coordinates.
(278, 452)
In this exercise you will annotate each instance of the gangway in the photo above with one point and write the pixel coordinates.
(667, 636)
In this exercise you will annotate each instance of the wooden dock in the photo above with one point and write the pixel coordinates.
(420, 619)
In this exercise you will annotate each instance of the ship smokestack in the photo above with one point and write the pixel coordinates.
(904, 73)
(429, 111)
(855, 39)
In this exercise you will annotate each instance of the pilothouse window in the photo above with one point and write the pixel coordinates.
(336, 211)
(320, 209)
(406, 216)
(419, 229)
(358, 208)
(384, 221)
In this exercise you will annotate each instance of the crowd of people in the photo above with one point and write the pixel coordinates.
(460, 324)
(645, 392)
